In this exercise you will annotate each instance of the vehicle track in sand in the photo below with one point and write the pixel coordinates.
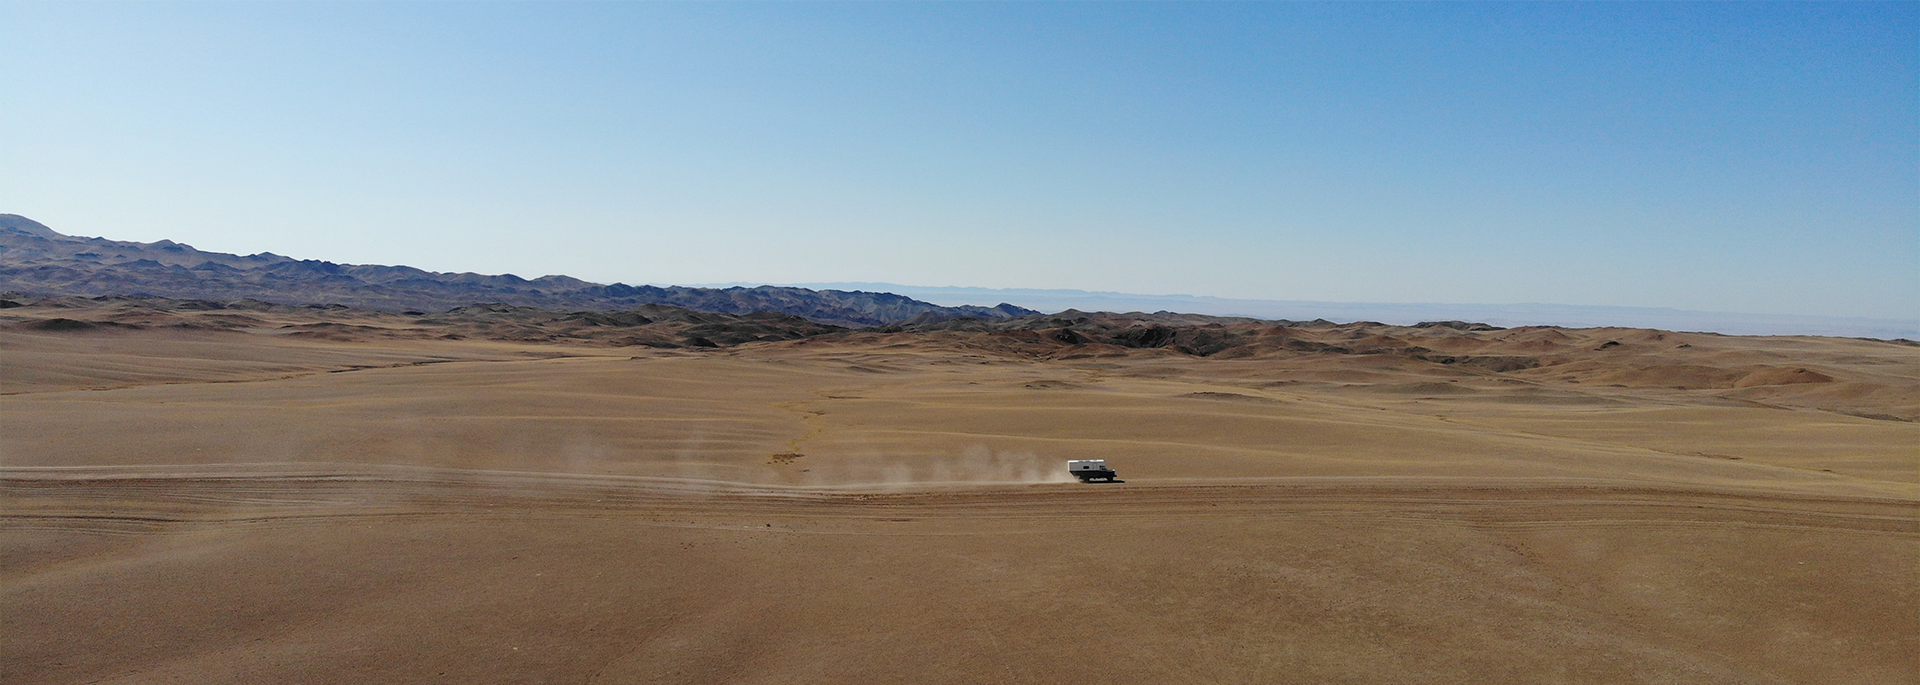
(137, 504)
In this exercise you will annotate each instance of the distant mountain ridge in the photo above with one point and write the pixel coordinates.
(1406, 313)
(38, 260)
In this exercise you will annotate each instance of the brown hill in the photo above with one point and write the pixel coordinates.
(1830, 374)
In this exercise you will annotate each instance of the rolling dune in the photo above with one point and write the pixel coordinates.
(1304, 504)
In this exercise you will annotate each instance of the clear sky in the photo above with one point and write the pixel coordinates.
(1718, 156)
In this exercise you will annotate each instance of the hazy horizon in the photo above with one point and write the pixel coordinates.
(1508, 314)
(1705, 157)
(1055, 300)
(1401, 313)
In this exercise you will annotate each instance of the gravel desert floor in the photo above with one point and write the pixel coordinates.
(185, 505)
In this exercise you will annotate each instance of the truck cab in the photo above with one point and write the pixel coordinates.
(1088, 470)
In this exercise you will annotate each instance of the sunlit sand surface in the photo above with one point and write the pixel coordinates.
(238, 506)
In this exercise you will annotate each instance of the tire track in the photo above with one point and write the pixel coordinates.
(150, 504)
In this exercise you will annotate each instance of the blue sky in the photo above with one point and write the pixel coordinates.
(1718, 156)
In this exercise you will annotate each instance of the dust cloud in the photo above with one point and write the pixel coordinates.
(977, 464)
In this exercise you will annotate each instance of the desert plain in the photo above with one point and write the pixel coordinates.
(198, 494)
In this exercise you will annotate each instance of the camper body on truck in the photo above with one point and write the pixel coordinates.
(1089, 469)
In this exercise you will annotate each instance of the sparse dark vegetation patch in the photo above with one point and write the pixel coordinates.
(61, 325)
(1151, 336)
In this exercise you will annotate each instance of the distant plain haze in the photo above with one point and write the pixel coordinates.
(1736, 157)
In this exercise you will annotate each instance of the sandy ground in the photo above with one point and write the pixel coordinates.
(202, 507)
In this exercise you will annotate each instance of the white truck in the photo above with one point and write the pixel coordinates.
(1089, 469)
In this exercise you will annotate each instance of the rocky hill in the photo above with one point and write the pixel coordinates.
(1826, 374)
(36, 260)
(654, 325)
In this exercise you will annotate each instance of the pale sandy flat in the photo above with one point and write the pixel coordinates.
(235, 507)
